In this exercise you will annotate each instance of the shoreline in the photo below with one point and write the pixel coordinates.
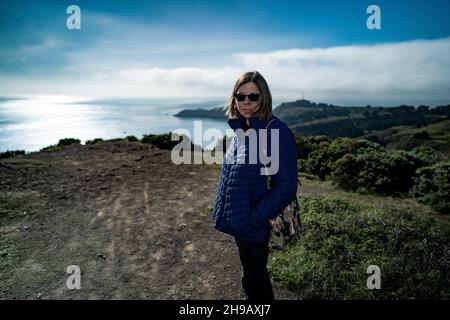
(61, 142)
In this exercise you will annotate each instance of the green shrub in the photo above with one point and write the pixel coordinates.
(317, 164)
(384, 172)
(425, 156)
(307, 144)
(68, 142)
(162, 141)
(339, 240)
(9, 154)
(378, 170)
(131, 139)
(62, 143)
(341, 146)
(301, 165)
(95, 141)
(432, 186)
(321, 161)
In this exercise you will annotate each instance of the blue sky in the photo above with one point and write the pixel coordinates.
(169, 49)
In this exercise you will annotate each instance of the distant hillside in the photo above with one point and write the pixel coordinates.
(436, 136)
(309, 118)
(216, 113)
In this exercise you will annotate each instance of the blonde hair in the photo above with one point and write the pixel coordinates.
(265, 109)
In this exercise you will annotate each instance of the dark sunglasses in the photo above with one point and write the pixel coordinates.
(251, 96)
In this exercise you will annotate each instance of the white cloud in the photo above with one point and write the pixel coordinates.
(420, 65)
(412, 69)
(418, 69)
(198, 81)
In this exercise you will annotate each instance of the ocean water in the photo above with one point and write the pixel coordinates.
(31, 124)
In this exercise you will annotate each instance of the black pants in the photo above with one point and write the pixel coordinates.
(255, 278)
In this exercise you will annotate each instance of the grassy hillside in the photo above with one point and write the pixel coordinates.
(309, 118)
(436, 136)
(344, 233)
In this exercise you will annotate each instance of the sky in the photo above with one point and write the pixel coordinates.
(320, 50)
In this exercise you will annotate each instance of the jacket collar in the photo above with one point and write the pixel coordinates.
(255, 122)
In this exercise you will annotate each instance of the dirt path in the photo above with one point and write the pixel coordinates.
(137, 225)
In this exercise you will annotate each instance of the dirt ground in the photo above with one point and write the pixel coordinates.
(138, 226)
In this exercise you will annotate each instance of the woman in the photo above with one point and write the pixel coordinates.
(244, 204)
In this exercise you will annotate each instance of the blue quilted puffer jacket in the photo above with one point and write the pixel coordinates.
(243, 203)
